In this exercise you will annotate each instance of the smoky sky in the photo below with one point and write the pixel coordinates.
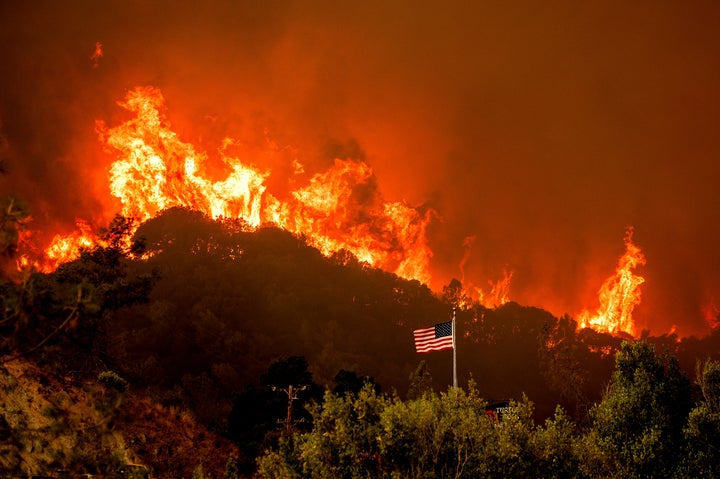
(543, 130)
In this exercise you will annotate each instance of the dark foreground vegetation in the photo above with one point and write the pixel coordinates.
(204, 326)
(649, 423)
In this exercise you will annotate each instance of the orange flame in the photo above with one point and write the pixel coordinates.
(711, 313)
(499, 293)
(339, 209)
(97, 54)
(618, 295)
(157, 171)
(64, 248)
(26, 259)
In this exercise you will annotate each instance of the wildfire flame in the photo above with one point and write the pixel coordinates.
(499, 292)
(156, 170)
(619, 294)
(338, 209)
(97, 54)
(711, 313)
(62, 248)
(67, 246)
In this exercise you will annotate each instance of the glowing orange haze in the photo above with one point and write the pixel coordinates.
(338, 209)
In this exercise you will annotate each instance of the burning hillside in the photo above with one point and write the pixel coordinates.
(153, 169)
(341, 208)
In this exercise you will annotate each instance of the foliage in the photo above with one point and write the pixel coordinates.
(420, 381)
(643, 427)
(112, 380)
(232, 468)
(446, 435)
(260, 414)
(637, 428)
(13, 217)
(231, 301)
(69, 307)
(349, 382)
(702, 431)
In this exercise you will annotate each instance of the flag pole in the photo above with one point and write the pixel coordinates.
(454, 352)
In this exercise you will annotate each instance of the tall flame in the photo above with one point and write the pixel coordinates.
(156, 170)
(339, 209)
(619, 294)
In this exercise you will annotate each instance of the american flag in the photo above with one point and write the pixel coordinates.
(434, 338)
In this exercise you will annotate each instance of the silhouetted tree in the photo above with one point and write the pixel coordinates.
(421, 381)
(348, 382)
(69, 307)
(259, 412)
(702, 432)
(285, 371)
(13, 216)
(454, 294)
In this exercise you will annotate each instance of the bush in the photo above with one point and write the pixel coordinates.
(113, 381)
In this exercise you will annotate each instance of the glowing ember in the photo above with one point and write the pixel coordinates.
(618, 295)
(339, 209)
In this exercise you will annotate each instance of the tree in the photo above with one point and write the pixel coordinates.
(286, 371)
(454, 294)
(278, 404)
(554, 446)
(560, 354)
(702, 432)
(421, 381)
(13, 216)
(637, 427)
(445, 435)
(348, 382)
(70, 305)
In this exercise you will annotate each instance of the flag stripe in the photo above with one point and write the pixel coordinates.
(434, 338)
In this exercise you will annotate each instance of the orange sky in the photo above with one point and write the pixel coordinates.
(542, 129)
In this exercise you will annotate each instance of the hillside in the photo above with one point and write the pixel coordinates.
(200, 318)
(48, 423)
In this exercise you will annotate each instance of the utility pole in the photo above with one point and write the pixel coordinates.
(292, 394)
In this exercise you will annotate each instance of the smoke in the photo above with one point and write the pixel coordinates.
(542, 131)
